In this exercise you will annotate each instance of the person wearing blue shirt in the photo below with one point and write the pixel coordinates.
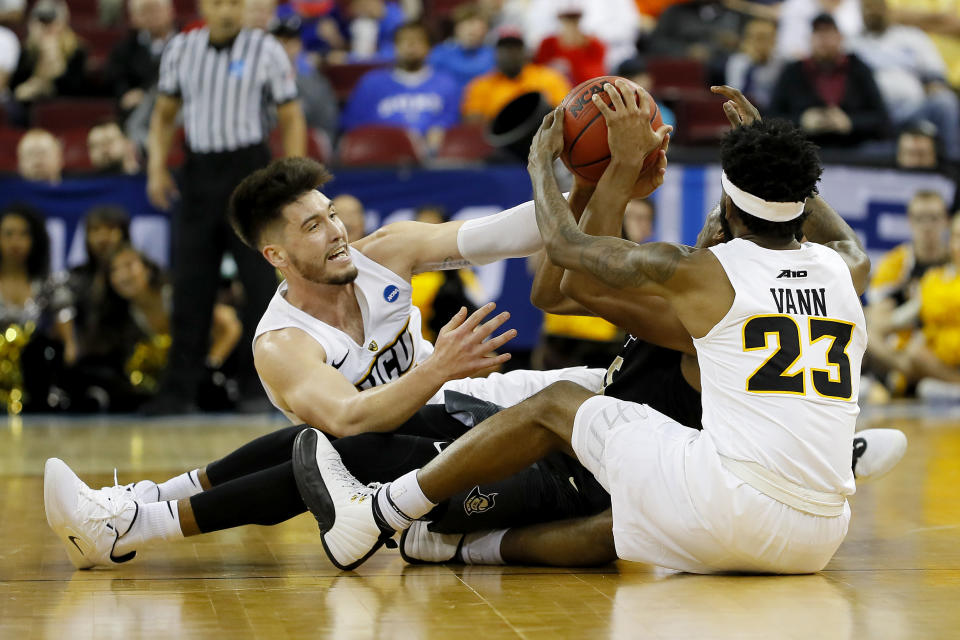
(465, 56)
(411, 95)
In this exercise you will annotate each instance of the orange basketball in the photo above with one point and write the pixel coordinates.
(585, 150)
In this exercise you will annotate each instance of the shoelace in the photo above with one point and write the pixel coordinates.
(347, 480)
(119, 492)
(110, 500)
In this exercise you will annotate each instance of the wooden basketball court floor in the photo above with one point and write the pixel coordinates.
(896, 576)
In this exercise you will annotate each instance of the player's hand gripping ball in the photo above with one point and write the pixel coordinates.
(585, 149)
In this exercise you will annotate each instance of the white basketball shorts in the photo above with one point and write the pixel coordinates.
(676, 506)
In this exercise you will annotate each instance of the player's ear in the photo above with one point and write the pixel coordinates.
(275, 255)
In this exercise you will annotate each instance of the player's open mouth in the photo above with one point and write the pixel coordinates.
(339, 255)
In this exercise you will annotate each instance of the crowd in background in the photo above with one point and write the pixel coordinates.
(875, 78)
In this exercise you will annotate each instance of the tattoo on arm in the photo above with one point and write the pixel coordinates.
(447, 264)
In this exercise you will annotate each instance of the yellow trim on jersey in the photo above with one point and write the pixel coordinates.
(853, 327)
(383, 350)
(785, 372)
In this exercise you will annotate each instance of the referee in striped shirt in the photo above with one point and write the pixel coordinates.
(222, 77)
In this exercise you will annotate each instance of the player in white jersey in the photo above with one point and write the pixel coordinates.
(779, 332)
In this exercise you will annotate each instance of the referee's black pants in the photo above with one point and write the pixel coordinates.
(201, 234)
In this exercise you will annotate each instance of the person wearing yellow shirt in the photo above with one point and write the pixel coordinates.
(893, 305)
(933, 357)
(486, 95)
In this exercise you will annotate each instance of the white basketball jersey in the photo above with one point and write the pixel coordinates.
(393, 342)
(781, 372)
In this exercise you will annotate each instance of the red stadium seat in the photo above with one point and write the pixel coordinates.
(676, 78)
(75, 155)
(379, 146)
(464, 142)
(99, 39)
(701, 120)
(9, 138)
(72, 113)
(83, 10)
(344, 77)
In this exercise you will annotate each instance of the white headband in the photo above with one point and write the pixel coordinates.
(756, 206)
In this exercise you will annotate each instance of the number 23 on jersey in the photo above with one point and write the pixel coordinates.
(773, 376)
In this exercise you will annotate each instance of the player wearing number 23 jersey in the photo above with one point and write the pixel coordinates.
(780, 373)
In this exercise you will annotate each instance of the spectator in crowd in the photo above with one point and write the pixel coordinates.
(440, 294)
(105, 229)
(126, 344)
(704, 30)
(9, 56)
(754, 69)
(110, 151)
(638, 220)
(37, 306)
(796, 16)
(259, 14)
(317, 97)
(412, 95)
(935, 356)
(40, 157)
(221, 151)
(134, 62)
(615, 22)
(466, 55)
(351, 213)
(893, 306)
(364, 33)
(917, 146)
(651, 9)
(910, 73)
(572, 52)
(11, 11)
(635, 69)
(832, 94)
(53, 61)
(486, 95)
(941, 20)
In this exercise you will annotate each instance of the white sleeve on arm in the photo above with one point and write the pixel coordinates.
(509, 234)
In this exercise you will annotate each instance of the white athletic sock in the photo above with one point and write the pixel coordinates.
(181, 487)
(146, 491)
(156, 521)
(402, 501)
(482, 547)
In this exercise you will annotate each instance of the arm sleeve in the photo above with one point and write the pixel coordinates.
(471, 100)
(281, 78)
(73, 81)
(168, 82)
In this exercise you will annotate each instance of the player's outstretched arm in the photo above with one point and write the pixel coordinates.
(825, 226)
(287, 360)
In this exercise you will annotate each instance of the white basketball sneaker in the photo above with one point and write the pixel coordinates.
(419, 545)
(876, 452)
(88, 522)
(350, 522)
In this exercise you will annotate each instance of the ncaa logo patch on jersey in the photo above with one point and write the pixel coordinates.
(477, 502)
(391, 293)
(236, 68)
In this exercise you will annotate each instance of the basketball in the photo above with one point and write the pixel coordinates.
(585, 150)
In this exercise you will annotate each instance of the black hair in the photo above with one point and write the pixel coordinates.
(38, 260)
(109, 215)
(259, 200)
(439, 208)
(413, 25)
(823, 20)
(773, 160)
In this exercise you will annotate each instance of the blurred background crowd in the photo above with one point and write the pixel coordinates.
(117, 91)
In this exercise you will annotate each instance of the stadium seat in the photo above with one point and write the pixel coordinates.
(8, 141)
(464, 142)
(677, 78)
(72, 113)
(701, 120)
(75, 155)
(377, 145)
(344, 77)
